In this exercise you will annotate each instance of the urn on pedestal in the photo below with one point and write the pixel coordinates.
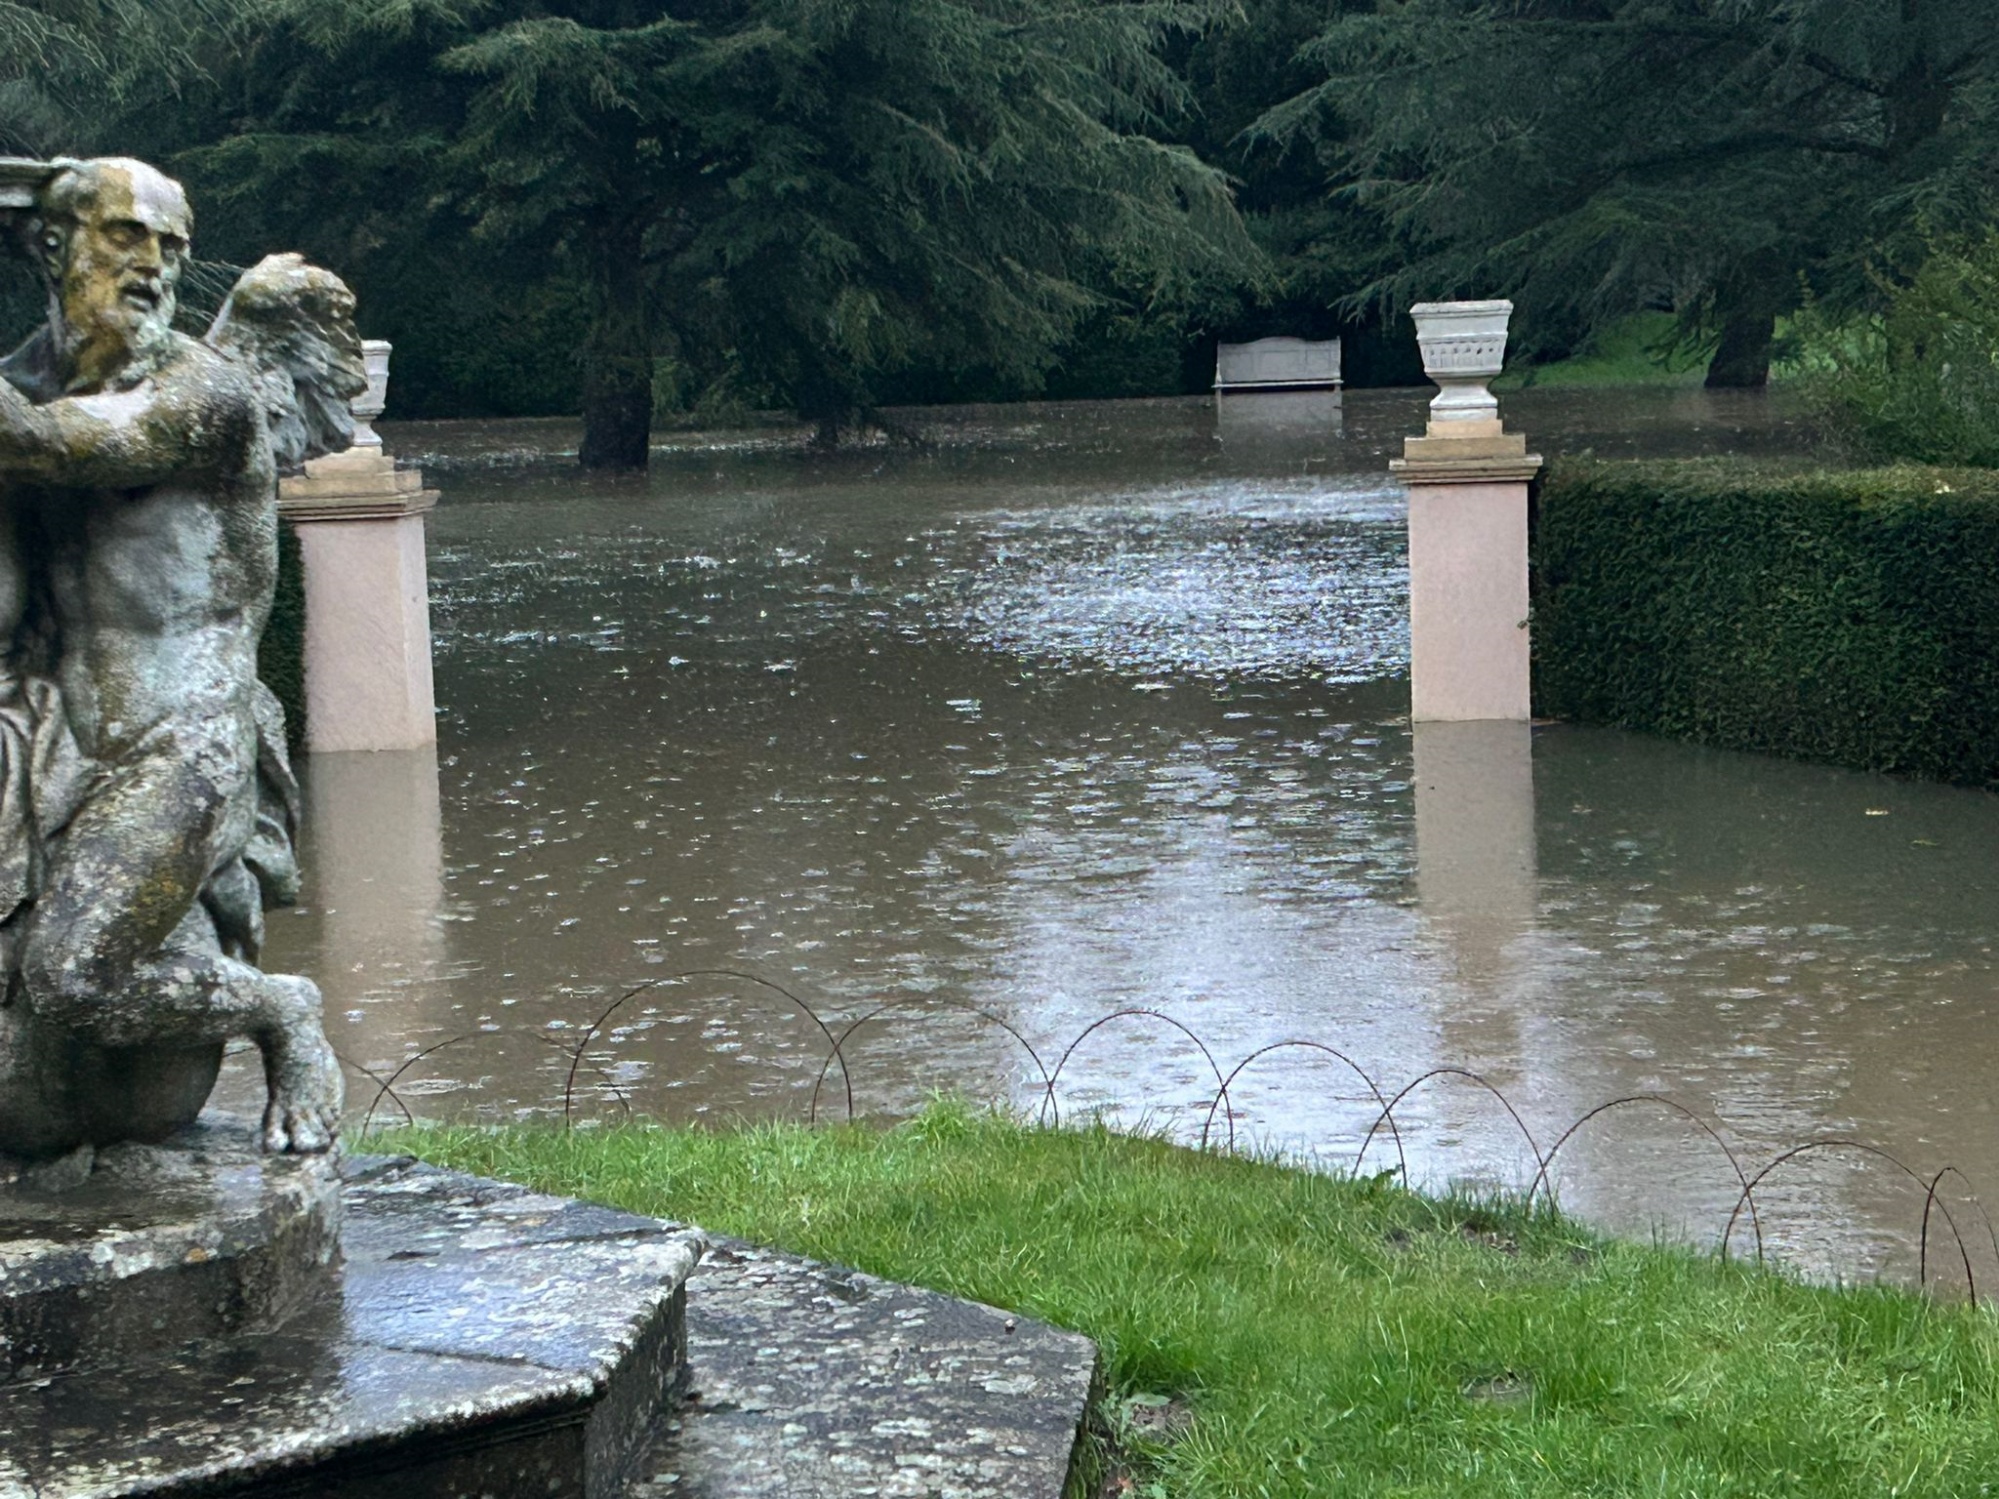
(1464, 347)
(371, 403)
(360, 524)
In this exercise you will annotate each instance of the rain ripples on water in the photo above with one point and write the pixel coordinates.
(1099, 706)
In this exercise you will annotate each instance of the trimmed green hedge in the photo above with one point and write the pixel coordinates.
(1849, 616)
(281, 653)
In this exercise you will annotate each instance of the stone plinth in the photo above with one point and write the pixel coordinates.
(479, 1342)
(147, 1247)
(1468, 603)
(367, 601)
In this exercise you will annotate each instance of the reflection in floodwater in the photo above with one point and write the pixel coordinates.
(1287, 421)
(1104, 706)
(1475, 867)
(378, 830)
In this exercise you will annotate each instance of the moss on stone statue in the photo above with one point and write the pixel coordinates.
(281, 653)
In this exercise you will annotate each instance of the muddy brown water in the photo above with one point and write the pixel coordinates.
(1094, 707)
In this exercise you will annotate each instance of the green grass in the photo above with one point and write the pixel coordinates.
(1339, 1337)
(1631, 351)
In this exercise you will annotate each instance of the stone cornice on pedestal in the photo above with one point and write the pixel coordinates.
(355, 485)
(1487, 457)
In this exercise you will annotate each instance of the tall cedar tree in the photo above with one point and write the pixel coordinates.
(1595, 157)
(795, 198)
(70, 70)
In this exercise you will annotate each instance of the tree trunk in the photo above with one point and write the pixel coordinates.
(617, 367)
(1742, 362)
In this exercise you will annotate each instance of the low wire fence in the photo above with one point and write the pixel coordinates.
(835, 1098)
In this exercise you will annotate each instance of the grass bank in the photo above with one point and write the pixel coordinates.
(1337, 1337)
(1636, 350)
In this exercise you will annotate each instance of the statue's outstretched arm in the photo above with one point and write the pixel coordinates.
(128, 440)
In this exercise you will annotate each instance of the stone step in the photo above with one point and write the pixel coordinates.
(479, 1342)
(809, 1381)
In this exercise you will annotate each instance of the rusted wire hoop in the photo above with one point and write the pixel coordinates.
(812, 1115)
(1542, 1177)
(376, 1077)
(1991, 1232)
(1930, 1200)
(389, 1086)
(1922, 1263)
(583, 1045)
(624, 1099)
(1388, 1109)
(1048, 1103)
(1334, 1052)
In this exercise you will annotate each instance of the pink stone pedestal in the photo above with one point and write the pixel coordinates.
(1468, 646)
(360, 525)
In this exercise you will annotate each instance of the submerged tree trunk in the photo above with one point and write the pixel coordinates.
(617, 361)
(1742, 362)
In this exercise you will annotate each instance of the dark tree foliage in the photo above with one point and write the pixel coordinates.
(329, 129)
(73, 72)
(1321, 247)
(1594, 157)
(791, 200)
(628, 205)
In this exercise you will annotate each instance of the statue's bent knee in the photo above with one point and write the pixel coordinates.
(66, 991)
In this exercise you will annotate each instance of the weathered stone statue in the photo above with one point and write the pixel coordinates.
(146, 806)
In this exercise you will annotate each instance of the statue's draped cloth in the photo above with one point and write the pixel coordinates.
(42, 776)
(45, 778)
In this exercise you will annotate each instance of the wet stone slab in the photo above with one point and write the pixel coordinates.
(138, 1249)
(479, 1340)
(811, 1382)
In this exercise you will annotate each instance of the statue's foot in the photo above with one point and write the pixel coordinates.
(302, 1074)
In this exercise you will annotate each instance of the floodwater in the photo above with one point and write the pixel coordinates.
(1103, 707)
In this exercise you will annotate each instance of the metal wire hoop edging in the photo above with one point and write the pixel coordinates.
(1395, 1133)
(1388, 1110)
(590, 1033)
(1922, 1261)
(1049, 1104)
(382, 1088)
(1542, 1176)
(812, 1115)
(388, 1087)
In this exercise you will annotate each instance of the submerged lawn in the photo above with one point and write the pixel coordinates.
(1336, 1337)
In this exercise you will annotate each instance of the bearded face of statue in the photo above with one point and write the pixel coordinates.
(118, 239)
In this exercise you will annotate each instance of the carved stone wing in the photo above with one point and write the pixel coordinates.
(294, 324)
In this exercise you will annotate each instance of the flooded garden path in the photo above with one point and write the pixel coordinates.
(1097, 707)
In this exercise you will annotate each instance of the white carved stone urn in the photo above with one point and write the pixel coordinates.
(1464, 346)
(370, 404)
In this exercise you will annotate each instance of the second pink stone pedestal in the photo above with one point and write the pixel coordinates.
(360, 525)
